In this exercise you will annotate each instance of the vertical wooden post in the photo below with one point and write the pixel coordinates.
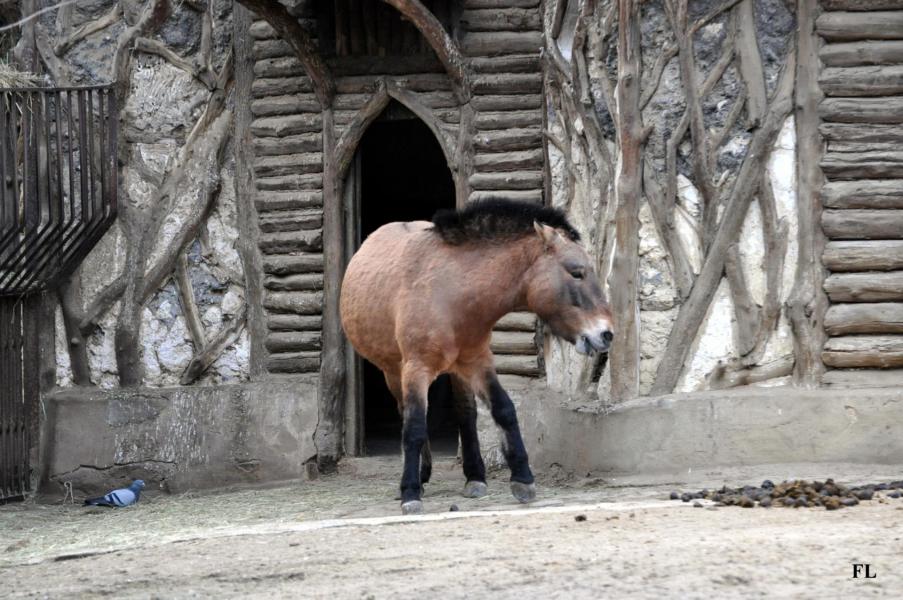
(625, 380)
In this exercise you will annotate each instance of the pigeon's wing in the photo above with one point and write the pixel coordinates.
(122, 497)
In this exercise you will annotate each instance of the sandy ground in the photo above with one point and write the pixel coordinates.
(341, 537)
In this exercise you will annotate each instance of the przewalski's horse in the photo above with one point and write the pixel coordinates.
(420, 299)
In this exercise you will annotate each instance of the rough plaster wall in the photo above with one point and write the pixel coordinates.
(163, 104)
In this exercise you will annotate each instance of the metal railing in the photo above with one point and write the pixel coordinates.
(58, 181)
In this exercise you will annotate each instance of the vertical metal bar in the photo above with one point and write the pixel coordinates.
(82, 157)
(71, 153)
(6, 216)
(113, 150)
(91, 150)
(103, 157)
(14, 118)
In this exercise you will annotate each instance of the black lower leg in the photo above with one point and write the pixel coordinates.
(505, 417)
(413, 436)
(426, 462)
(474, 469)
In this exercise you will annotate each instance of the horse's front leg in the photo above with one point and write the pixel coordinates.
(415, 384)
(505, 416)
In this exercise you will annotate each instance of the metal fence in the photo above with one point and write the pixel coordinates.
(15, 442)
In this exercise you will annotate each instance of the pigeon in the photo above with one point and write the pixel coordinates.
(119, 498)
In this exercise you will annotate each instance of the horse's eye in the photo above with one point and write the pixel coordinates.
(577, 274)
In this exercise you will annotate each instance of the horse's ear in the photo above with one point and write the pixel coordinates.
(545, 232)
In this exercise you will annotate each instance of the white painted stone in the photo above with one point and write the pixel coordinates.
(687, 213)
(714, 343)
(63, 365)
(163, 99)
(782, 169)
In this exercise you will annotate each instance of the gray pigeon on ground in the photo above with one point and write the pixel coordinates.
(119, 498)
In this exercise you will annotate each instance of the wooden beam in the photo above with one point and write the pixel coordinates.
(864, 351)
(849, 26)
(862, 110)
(879, 255)
(862, 5)
(854, 54)
(875, 193)
(865, 287)
(874, 164)
(863, 224)
(862, 133)
(875, 80)
(883, 317)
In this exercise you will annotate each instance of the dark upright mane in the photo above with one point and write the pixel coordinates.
(497, 221)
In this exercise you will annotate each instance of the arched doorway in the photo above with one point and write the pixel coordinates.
(399, 173)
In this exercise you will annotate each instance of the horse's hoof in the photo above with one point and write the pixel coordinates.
(475, 489)
(523, 492)
(412, 507)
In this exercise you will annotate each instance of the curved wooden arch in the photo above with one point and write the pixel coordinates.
(385, 93)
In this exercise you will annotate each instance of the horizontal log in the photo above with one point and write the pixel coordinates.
(861, 133)
(502, 19)
(287, 265)
(511, 63)
(883, 317)
(430, 99)
(862, 378)
(278, 67)
(294, 323)
(877, 164)
(290, 144)
(508, 119)
(840, 147)
(446, 115)
(342, 66)
(877, 193)
(297, 303)
(865, 287)
(874, 255)
(280, 86)
(283, 242)
(862, 81)
(285, 105)
(517, 321)
(271, 48)
(512, 180)
(261, 30)
(507, 102)
(417, 82)
(862, 4)
(508, 161)
(287, 125)
(476, 4)
(292, 341)
(862, 110)
(302, 282)
(281, 201)
(513, 342)
(864, 351)
(290, 183)
(508, 139)
(519, 195)
(293, 362)
(294, 220)
(509, 364)
(495, 43)
(853, 54)
(850, 26)
(504, 83)
(288, 164)
(858, 224)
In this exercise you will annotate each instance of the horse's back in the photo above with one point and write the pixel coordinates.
(373, 281)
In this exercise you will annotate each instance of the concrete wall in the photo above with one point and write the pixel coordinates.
(178, 439)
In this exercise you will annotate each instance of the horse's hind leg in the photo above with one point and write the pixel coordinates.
(415, 383)
(466, 416)
(426, 457)
(505, 417)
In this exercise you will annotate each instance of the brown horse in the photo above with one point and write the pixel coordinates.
(420, 299)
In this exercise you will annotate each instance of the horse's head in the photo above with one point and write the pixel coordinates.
(564, 291)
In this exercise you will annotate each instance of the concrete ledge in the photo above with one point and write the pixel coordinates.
(179, 438)
(739, 427)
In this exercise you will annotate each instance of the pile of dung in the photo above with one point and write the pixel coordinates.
(795, 494)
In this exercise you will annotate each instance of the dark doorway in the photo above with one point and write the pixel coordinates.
(403, 176)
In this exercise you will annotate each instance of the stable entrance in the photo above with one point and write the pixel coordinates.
(399, 174)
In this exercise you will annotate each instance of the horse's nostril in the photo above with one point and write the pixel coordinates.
(608, 336)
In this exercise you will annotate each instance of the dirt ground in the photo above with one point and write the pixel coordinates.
(342, 537)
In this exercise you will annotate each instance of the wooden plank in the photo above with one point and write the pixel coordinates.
(518, 195)
(418, 82)
(862, 81)
(874, 164)
(882, 317)
(862, 110)
(865, 287)
(864, 351)
(281, 201)
(505, 83)
(862, 133)
(288, 164)
(286, 265)
(850, 26)
(512, 180)
(877, 255)
(513, 342)
(302, 282)
(292, 341)
(280, 86)
(862, 378)
(511, 63)
(291, 220)
(526, 366)
(876, 193)
(477, 4)
(851, 54)
(297, 303)
(502, 19)
(520, 119)
(862, 4)
(294, 362)
(288, 242)
(508, 139)
(508, 161)
(261, 30)
(286, 125)
(507, 102)
(272, 49)
(517, 321)
(278, 67)
(497, 43)
(285, 105)
(294, 322)
(290, 183)
(858, 224)
(291, 144)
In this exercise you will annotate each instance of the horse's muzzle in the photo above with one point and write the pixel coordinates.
(595, 342)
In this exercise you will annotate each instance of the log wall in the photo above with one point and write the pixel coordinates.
(501, 156)
(862, 128)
